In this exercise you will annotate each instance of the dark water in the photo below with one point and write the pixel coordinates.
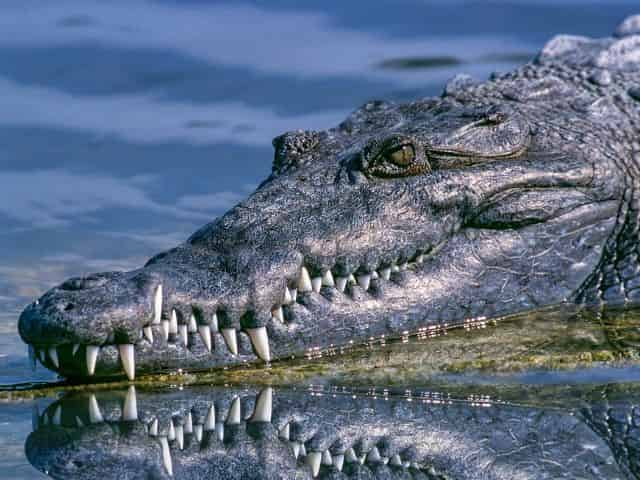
(127, 125)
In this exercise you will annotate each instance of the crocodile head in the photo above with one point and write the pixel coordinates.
(493, 199)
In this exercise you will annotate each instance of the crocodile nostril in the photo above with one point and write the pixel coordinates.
(69, 306)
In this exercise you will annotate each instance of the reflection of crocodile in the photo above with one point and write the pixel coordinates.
(496, 198)
(233, 433)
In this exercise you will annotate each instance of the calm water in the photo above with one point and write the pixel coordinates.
(127, 125)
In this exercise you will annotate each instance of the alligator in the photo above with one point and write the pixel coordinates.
(494, 198)
(335, 433)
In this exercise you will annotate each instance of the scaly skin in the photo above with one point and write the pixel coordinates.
(494, 199)
(241, 434)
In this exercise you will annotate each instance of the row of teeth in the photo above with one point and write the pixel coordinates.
(170, 328)
(175, 432)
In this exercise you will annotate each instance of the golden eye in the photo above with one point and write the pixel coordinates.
(403, 156)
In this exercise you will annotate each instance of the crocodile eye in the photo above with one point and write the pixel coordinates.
(402, 156)
(395, 157)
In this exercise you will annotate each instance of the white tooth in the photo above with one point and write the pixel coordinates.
(287, 299)
(304, 281)
(210, 422)
(180, 436)
(316, 284)
(157, 305)
(350, 456)
(278, 314)
(404, 266)
(220, 432)
(327, 279)
(43, 355)
(148, 333)
(184, 335)
(338, 461)
(130, 409)
(385, 273)
(32, 357)
(326, 458)
(197, 431)
(127, 357)
(414, 465)
(188, 423)
(165, 329)
(193, 325)
(57, 416)
(295, 446)
(214, 323)
(75, 348)
(173, 324)
(95, 416)
(231, 339)
(313, 460)
(285, 432)
(233, 416)
(395, 461)
(364, 281)
(264, 404)
(375, 275)
(171, 435)
(374, 456)
(420, 258)
(406, 464)
(362, 458)
(303, 450)
(53, 355)
(341, 283)
(205, 334)
(79, 422)
(91, 357)
(153, 429)
(351, 279)
(166, 456)
(395, 268)
(260, 342)
(294, 294)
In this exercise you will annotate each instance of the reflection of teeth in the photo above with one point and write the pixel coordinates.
(260, 342)
(210, 422)
(327, 279)
(316, 284)
(313, 460)
(233, 417)
(395, 461)
(166, 456)
(130, 409)
(153, 429)
(231, 340)
(220, 432)
(304, 281)
(127, 356)
(285, 432)
(95, 416)
(326, 458)
(57, 416)
(53, 355)
(148, 333)
(75, 348)
(92, 356)
(184, 335)
(338, 461)
(278, 314)
(264, 404)
(188, 423)
(157, 305)
(205, 334)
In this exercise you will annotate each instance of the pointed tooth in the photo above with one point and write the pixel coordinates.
(130, 409)
(95, 416)
(287, 299)
(403, 266)
(43, 355)
(385, 273)
(214, 322)
(260, 342)
(128, 359)
(171, 435)
(91, 358)
(188, 423)
(285, 432)
(341, 283)
(313, 460)
(157, 305)
(395, 461)
(338, 462)
(263, 407)
(184, 334)
(295, 446)
(193, 325)
(233, 416)
(166, 456)
(53, 355)
(210, 422)
(395, 268)
(57, 416)
(420, 258)
(316, 284)
(364, 281)
(294, 294)
(326, 458)
(205, 334)
(173, 324)
(374, 275)
(231, 339)
(303, 450)
(148, 334)
(197, 432)
(350, 456)
(220, 432)
(165, 329)
(327, 279)
(374, 456)
(180, 436)
(75, 348)
(153, 429)
(79, 422)
(278, 314)
(304, 281)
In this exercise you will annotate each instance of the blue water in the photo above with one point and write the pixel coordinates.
(126, 125)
